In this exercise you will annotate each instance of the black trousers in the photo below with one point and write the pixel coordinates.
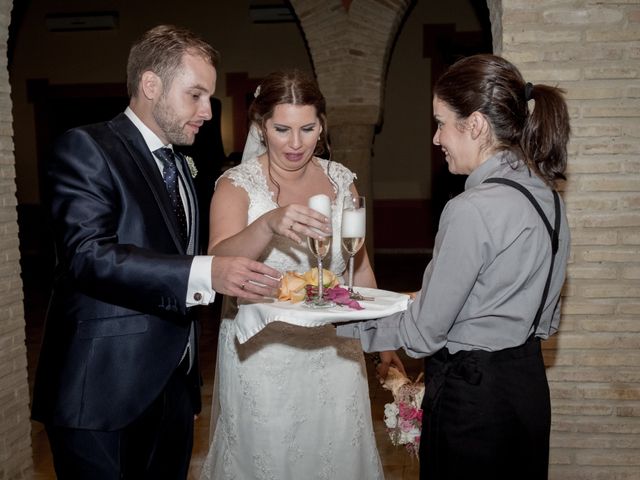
(156, 446)
(486, 415)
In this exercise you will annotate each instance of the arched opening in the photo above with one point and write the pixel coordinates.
(411, 179)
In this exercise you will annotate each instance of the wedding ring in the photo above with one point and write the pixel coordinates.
(242, 287)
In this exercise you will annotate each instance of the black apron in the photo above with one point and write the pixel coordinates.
(488, 414)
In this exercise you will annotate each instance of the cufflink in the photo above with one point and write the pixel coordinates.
(197, 296)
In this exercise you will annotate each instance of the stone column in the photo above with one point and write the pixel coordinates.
(350, 43)
(351, 146)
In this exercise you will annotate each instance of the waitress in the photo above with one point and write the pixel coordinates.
(492, 289)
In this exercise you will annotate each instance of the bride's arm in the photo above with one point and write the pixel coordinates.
(229, 233)
(362, 272)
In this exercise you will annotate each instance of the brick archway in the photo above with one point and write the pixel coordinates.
(350, 43)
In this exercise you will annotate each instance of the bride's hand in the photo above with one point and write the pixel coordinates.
(296, 222)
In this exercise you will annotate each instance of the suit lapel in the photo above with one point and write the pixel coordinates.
(134, 143)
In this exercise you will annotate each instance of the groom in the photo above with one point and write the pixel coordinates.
(117, 384)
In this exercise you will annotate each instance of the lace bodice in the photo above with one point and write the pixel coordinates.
(284, 254)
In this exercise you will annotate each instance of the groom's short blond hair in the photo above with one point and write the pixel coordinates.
(161, 50)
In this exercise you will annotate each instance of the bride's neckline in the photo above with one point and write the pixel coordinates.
(293, 180)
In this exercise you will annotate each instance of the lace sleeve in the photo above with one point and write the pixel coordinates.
(340, 176)
(247, 176)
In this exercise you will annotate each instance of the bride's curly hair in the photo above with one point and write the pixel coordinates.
(292, 87)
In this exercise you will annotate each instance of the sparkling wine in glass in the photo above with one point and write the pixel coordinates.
(354, 227)
(319, 248)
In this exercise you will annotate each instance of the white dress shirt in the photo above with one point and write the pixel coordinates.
(199, 290)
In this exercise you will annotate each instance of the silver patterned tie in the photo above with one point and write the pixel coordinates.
(170, 175)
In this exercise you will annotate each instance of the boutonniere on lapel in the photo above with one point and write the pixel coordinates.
(192, 166)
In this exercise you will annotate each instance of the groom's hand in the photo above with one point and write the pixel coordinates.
(245, 278)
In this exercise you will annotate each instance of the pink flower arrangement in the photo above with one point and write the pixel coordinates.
(337, 294)
(403, 417)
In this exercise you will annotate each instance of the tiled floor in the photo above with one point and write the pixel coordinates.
(397, 273)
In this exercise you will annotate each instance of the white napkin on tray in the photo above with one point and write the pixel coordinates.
(254, 316)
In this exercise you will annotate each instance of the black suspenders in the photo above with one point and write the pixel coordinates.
(553, 234)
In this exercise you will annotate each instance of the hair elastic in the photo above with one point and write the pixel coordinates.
(528, 91)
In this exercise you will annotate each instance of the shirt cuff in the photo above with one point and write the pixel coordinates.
(199, 290)
(348, 331)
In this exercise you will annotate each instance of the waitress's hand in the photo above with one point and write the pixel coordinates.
(389, 359)
(412, 295)
(297, 222)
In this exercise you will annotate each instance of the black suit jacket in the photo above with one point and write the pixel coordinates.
(117, 324)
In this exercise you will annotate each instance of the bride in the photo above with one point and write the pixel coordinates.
(292, 402)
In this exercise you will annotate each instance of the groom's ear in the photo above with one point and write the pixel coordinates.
(150, 85)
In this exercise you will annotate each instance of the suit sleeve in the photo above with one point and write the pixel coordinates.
(107, 247)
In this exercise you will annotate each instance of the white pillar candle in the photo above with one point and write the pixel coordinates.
(321, 203)
(354, 223)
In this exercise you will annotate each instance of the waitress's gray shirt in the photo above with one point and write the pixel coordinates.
(485, 281)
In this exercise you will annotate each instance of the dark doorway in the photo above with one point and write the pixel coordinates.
(56, 109)
(444, 45)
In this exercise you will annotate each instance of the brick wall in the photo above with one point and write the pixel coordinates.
(15, 427)
(591, 48)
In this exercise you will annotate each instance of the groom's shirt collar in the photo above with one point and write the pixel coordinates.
(151, 139)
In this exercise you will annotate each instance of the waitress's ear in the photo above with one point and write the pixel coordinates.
(478, 125)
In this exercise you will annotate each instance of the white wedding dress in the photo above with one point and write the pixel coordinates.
(292, 403)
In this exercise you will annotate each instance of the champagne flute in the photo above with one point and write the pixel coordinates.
(320, 247)
(354, 221)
